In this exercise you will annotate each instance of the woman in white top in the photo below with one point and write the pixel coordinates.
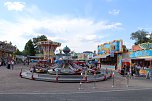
(12, 64)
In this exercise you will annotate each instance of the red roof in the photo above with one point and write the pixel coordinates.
(136, 48)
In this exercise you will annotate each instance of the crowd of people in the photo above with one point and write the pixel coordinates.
(134, 69)
(9, 64)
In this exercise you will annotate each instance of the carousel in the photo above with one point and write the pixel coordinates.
(65, 70)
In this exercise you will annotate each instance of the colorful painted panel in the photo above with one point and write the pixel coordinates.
(142, 53)
(110, 48)
(119, 60)
(143, 46)
(146, 45)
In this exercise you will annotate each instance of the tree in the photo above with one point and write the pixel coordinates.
(39, 38)
(29, 48)
(140, 36)
(18, 52)
(150, 38)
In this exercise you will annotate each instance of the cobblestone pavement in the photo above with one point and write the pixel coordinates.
(10, 82)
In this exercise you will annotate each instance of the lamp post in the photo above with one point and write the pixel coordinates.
(127, 78)
(113, 83)
(57, 77)
(86, 75)
(94, 83)
(80, 86)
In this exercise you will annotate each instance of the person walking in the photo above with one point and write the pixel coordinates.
(12, 64)
(0, 63)
(116, 66)
(8, 64)
(138, 69)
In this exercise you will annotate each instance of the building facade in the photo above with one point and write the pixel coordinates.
(86, 55)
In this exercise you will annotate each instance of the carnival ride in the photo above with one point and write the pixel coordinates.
(48, 47)
(65, 70)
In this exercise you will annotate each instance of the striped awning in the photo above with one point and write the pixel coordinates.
(145, 57)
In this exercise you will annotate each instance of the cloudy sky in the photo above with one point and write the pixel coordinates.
(79, 24)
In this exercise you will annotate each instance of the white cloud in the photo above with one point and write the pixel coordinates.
(90, 38)
(114, 12)
(67, 30)
(79, 34)
(17, 6)
(128, 44)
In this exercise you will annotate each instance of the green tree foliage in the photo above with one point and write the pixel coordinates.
(140, 36)
(29, 48)
(150, 38)
(18, 52)
(37, 39)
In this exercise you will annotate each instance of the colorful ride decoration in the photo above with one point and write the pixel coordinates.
(66, 50)
(110, 47)
(109, 50)
(143, 46)
(140, 54)
(146, 45)
(119, 60)
(142, 51)
(48, 48)
(64, 65)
